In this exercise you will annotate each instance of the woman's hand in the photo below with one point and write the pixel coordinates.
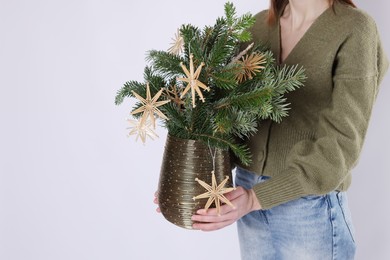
(244, 201)
(156, 201)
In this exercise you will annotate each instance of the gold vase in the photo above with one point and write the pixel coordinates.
(183, 161)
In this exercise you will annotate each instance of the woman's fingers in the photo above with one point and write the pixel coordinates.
(242, 199)
(224, 209)
(214, 218)
(234, 194)
(212, 226)
(156, 201)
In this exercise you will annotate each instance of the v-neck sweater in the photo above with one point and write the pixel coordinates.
(314, 149)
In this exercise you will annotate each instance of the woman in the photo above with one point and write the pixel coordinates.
(291, 202)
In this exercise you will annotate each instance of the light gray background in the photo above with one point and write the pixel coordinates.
(72, 185)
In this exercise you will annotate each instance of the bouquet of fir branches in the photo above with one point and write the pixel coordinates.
(214, 86)
(208, 87)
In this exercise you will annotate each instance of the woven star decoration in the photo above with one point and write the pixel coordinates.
(192, 79)
(142, 129)
(173, 93)
(215, 193)
(149, 106)
(177, 44)
(250, 65)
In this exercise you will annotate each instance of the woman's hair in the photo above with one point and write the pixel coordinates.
(277, 7)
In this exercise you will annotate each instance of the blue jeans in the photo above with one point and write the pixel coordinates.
(311, 227)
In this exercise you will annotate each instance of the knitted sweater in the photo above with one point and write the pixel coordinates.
(313, 150)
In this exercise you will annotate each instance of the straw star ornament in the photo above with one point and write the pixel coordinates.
(192, 79)
(177, 44)
(142, 129)
(173, 93)
(150, 105)
(215, 193)
(250, 66)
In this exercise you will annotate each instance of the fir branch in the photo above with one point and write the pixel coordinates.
(254, 98)
(177, 121)
(241, 26)
(126, 90)
(241, 54)
(265, 110)
(244, 22)
(289, 78)
(244, 36)
(244, 123)
(224, 79)
(279, 108)
(241, 151)
(230, 13)
(221, 52)
(167, 64)
(192, 42)
(212, 33)
(222, 122)
(238, 27)
(200, 120)
(156, 81)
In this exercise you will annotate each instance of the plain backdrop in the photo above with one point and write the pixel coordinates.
(72, 185)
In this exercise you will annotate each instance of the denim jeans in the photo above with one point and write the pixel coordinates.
(311, 227)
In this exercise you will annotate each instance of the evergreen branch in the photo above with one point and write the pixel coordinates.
(165, 63)
(244, 36)
(279, 109)
(241, 27)
(254, 98)
(241, 151)
(241, 54)
(126, 90)
(175, 115)
(212, 34)
(201, 119)
(235, 122)
(265, 110)
(222, 122)
(221, 52)
(230, 13)
(244, 123)
(192, 42)
(156, 82)
(244, 22)
(289, 78)
(224, 79)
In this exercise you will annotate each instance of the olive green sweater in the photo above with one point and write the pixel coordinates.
(315, 148)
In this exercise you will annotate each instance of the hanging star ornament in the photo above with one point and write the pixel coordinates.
(249, 66)
(173, 93)
(177, 44)
(142, 129)
(192, 79)
(215, 193)
(150, 106)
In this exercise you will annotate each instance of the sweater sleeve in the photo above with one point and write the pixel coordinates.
(319, 166)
